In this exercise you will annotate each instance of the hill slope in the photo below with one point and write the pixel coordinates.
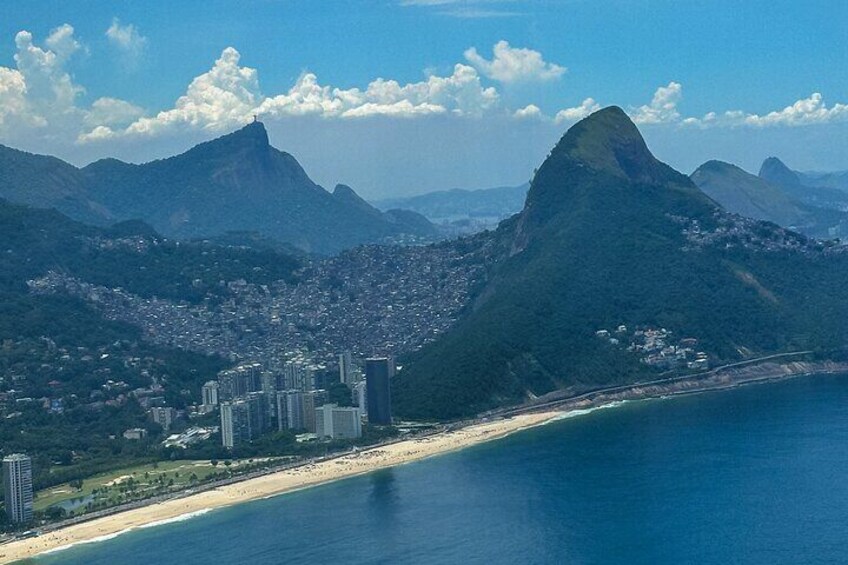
(235, 183)
(610, 236)
(47, 182)
(740, 192)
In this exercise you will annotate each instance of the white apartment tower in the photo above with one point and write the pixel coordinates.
(17, 487)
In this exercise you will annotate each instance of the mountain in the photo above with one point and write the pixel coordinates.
(740, 192)
(818, 189)
(837, 180)
(617, 269)
(66, 350)
(235, 183)
(489, 204)
(47, 182)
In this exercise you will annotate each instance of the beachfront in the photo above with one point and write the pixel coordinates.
(273, 484)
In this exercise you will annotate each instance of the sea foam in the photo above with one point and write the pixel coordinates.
(107, 537)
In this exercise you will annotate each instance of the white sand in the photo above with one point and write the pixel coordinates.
(272, 484)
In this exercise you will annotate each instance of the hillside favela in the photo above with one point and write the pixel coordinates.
(423, 281)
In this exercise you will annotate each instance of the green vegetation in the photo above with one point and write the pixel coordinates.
(595, 248)
(66, 373)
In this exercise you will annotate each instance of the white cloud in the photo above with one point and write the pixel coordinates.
(225, 95)
(460, 93)
(804, 112)
(529, 112)
(512, 64)
(576, 113)
(40, 100)
(112, 112)
(127, 39)
(466, 9)
(12, 94)
(229, 94)
(62, 42)
(50, 90)
(663, 106)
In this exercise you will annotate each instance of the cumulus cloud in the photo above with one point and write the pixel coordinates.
(217, 99)
(12, 94)
(49, 87)
(112, 112)
(39, 96)
(127, 39)
(578, 112)
(40, 92)
(512, 64)
(663, 106)
(529, 112)
(807, 111)
(229, 94)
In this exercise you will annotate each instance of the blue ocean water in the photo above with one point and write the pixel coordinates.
(753, 475)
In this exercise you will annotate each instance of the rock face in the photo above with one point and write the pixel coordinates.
(610, 237)
(237, 182)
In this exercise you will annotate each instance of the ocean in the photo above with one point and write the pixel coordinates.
(757, 474)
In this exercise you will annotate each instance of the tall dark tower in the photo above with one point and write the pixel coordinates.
(378, 372)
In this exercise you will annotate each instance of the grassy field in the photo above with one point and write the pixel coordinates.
(133, 483)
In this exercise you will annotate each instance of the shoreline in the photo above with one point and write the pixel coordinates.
(273, 484)
(348, 465)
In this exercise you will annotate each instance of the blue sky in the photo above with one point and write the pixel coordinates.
(708, 79)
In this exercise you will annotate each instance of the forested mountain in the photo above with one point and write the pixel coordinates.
(59, 349)
(48, 182)
(614, 253)
(237, 182)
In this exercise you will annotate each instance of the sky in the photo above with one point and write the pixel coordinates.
(397, 97)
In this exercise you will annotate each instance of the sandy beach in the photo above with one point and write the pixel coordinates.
(273, 484)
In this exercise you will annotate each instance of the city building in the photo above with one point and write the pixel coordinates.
(378, 374)
(17, 487)
(238, 382)
(338, 422)
(289, 410)
(296, 409)
(359, 396)
(299, 375)
(311, 401)
(209, 395)
(135, 434)
(268, 383)
(346, 370)
(243, 419)
(163, 415)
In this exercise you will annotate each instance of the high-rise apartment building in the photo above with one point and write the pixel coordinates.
(378, 374)
(17, 487)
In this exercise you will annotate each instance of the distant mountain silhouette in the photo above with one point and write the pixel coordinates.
(829, 190)
(742, 193)
(235, 183)
(456, 204)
